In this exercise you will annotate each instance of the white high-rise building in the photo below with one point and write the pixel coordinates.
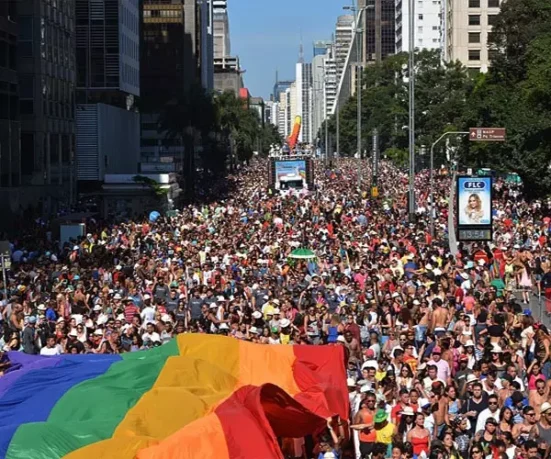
(343, 38)
(324, 87)
(429, 16)
(303, 82)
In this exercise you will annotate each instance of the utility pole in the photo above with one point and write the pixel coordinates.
(411, 67)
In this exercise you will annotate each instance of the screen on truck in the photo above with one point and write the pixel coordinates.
(290, 168)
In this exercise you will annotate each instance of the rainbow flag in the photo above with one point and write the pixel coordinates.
(199, 396)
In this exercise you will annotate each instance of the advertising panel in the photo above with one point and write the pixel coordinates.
(474, 208)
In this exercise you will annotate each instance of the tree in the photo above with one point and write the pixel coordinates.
(440, 98)
(190, 119)
(516, 94)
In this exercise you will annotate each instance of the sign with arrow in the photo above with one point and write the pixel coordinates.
(487, 134)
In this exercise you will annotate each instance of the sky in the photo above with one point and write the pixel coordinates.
(266, 36)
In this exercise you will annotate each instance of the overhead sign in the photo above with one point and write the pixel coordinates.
(474, 208)
(488, 134)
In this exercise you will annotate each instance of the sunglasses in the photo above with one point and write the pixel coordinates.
(530, 414)
(476, 451)
(492, 403)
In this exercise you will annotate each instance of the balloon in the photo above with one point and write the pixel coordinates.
(153, 216)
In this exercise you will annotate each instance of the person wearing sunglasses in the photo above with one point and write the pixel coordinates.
(525, 428)
(491, 412)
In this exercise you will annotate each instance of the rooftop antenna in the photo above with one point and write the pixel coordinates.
(301, 50)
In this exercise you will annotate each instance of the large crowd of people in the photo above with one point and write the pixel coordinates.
(445, 358)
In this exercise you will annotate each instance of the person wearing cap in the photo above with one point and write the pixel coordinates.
(542, 429)
(442, 366)
(29, 337)
(384, 429)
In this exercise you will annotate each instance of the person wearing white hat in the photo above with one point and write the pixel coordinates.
(542, 429)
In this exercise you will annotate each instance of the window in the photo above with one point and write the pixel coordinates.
(26, 107)
(474, 37)
(491, 37)
(474, 3)
(27, 153)
(474, 54)
(420, 17)
(493, 3)
(474, 19)
(492, 19)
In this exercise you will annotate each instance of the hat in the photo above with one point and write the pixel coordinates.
(41, 307)
(369, 353)
(220, 298)
(469, 343)
(147, 296)
(97, 307)
(471, 378)
(436, 350)
(32, 319)
(253, 330)
(350, 382)
(422, 366)
(223, 326)
(527, 312)
(276, 301)
(61, 319)
(340, 339)
(545, 406)
(381, 416)
(284, 323)
(496, 349)
(117, 296)
(464, 276)
(257, 315)
(491, 421)
(407, 411)
(365, 388)
(98, 332)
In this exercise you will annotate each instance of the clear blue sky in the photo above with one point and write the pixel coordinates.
(266, 36)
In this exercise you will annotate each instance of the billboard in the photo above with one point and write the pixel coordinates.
(474, 208)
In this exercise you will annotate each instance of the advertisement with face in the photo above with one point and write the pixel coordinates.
(474, 201)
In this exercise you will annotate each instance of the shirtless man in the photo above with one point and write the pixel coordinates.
(537, 397)
(439, 315)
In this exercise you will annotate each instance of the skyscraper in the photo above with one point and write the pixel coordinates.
(343, 40)
(428, 24)
(324, 87)
(378, 26)
(108, 51)
(9, 101)
(221, 24)
(468, 29)
(303, 81)
(46, 74)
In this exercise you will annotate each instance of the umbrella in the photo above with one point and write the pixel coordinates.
(302, 254)
(153, 216)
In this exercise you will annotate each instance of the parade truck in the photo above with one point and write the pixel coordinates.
(291, 174)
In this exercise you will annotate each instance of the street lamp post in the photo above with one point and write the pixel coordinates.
(359, 69)
(411, 68)
(431, 176)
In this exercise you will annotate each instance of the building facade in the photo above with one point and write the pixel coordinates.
(47, 77)
(428, 24)
(378, 24)
(344, 30)
(221, 24)
(324, 82)
(468, 30)
(108, 51)
(9, 96)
